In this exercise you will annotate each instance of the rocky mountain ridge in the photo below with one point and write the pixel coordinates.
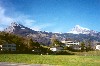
(45, 37)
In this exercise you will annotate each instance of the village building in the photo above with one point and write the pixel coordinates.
(53, 49)
(98, 46)
(56, 49)
(70, 43)
(0, 47)
(73, 44)
(8, 47)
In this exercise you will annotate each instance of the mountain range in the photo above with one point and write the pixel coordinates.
(77, 33)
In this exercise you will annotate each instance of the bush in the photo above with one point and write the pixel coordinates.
(64, 53)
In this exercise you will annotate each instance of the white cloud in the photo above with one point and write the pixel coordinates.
(4, 18)
(6, 21)
(25, 20)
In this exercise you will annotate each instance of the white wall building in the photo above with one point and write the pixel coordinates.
(70, 43)
(0, 47)
(8, 47)
(53, 49)
(98, 46)
(56, 49)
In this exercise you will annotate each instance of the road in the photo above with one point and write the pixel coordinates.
(21, 64)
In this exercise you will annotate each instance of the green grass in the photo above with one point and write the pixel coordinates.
(61, 60)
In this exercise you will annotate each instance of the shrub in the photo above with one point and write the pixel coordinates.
(64, 53)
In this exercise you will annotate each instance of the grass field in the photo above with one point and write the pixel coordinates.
(59, 60)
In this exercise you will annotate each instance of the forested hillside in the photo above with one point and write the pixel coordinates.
(23, 44)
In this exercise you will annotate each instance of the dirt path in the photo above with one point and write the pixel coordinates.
(21, 64)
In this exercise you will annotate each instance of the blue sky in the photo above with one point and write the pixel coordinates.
(51, 15)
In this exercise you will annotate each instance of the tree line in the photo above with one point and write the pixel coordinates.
(23, 44)
(27, 45)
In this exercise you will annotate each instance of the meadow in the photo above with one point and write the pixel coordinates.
(55, 60)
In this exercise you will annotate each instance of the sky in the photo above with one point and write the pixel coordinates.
(51, 15)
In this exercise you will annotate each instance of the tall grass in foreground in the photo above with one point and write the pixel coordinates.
(61, 60)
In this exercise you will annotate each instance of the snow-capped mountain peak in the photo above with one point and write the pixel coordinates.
(13, 26)
(80, 30)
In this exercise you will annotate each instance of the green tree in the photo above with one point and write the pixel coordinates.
(82, 46)
(88, 48)
(56, 43)
(33, 45)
